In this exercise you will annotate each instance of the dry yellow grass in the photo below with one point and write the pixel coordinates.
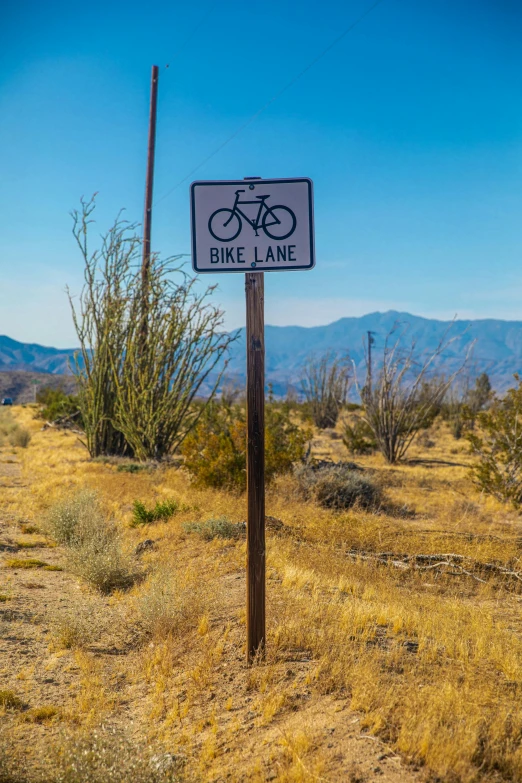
(428, 662)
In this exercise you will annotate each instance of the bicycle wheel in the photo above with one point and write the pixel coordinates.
(224, 225)
(279, 222)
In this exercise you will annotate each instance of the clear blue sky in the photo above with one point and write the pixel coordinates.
(411, 128)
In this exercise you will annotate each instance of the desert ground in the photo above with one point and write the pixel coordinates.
(394, 649)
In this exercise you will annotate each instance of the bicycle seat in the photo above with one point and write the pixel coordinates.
(262, 197)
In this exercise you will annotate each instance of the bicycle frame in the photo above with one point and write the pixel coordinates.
(257, 222)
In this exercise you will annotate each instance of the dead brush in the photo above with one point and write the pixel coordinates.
(12, 432)
(170, 604)
(78, 626)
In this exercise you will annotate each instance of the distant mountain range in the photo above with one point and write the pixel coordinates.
(497, 350)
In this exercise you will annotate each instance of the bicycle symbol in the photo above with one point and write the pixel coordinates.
(278, 222)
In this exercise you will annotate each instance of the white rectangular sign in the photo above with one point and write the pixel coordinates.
(256, 225)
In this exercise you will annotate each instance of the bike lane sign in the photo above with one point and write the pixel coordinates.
(257, 225)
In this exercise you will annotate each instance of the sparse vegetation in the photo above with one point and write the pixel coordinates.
(413, 623)
(18, 562)
(161, 512)
(325, 385)
(10, 701)
(338, 487)
(170, 603)
(220, 527)
(11, 431)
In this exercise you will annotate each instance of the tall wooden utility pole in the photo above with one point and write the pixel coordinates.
(147, 220)
(255, 336)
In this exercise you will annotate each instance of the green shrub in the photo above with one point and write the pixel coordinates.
(215, 451)
(498, 448)
(57, 404)
(338, 486)
(162, 511)
(220, 527)
(358, 437)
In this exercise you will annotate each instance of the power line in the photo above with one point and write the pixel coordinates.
(274, 98)
(196, 29)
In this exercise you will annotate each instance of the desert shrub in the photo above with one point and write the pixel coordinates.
(358, 437)
(498, 447)
(325, 384)
(406, 395)
(56, 403)
(10, 701)
(169, 604)
(162, 511)
(93, 541)
(215, 451)
(72, 518)
(219, 527)
(101, 561)
(11, 431)
(148, 343)
(338, 487)
(20, 437)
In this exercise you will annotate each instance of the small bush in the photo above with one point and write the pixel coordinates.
(498, 448)
(221, 527)
(101, 561)
(94, 543)
(29, 529)
(162, 511)
(215, 451)
(56, 403)
(358, 437)
(10, 701)
(41, 714)
(338, 487)
(11, 431)
(72, 518)
(169, 604)
(20, 437)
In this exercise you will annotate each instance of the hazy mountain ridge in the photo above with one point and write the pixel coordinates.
(498, 347)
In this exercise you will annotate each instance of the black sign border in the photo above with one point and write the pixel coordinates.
(260, 268)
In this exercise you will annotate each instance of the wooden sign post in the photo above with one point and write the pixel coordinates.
(253, 226)
(255, 564)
